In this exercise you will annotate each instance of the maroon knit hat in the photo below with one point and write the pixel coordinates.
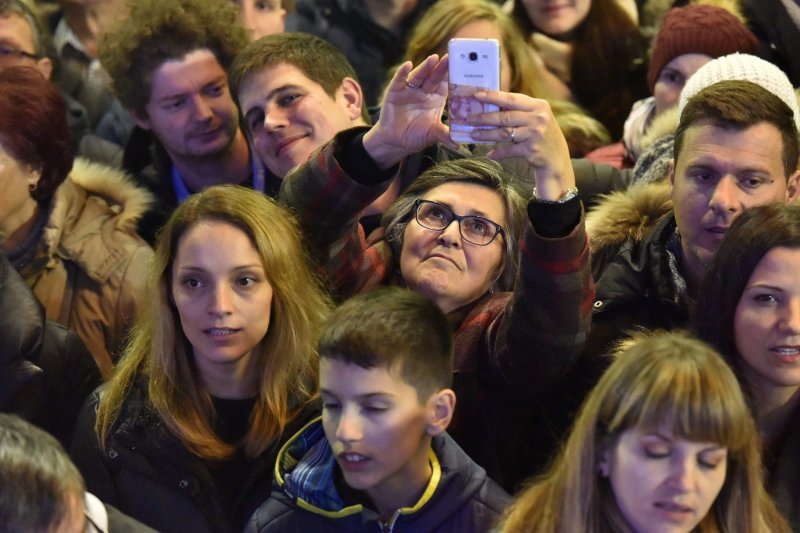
(698, 29)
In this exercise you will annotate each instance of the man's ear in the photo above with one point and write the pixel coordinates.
(141, 119)
(793, 187)
(671, 174)
(353, 98)
(441, 405)
(45, 66)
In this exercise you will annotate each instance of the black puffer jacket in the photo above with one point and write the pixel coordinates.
(45, 371)
(146, 472)
(638, 288)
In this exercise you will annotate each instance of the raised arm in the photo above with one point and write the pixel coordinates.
(541, 333)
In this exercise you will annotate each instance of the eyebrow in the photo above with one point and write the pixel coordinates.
(193, 268)
(712, 168)
(270, 96)
(365, 396)
(472, 213)
(761, 285)
(219, 79)
(276, 90)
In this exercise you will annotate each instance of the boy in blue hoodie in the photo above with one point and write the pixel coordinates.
(379, 458)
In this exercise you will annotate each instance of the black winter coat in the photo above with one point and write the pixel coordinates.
(146, 472)
(638, 290)
(46, 373)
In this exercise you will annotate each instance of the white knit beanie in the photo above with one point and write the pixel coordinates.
(742, 67)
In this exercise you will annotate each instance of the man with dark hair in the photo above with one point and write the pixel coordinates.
(24, 42)
(296, 91)
(168, 63)
(42, 490)
(736, 147)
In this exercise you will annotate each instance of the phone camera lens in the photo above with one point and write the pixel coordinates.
(473, 56)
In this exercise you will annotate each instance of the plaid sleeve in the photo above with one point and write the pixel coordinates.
(535, 339)
(328, 203)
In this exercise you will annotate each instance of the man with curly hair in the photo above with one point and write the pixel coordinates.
(168, 63)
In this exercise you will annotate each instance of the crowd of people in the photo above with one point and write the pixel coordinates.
(249, 282)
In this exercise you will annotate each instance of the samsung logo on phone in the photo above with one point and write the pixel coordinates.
(473, 75)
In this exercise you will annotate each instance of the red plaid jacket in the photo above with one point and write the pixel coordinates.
(511, 349)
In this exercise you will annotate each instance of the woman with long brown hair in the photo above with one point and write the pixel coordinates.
(220, 367)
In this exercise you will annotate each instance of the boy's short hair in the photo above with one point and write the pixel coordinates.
(396, 329)
(316, 58)
(157, 31)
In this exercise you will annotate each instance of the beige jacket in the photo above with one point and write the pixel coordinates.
(91, 267)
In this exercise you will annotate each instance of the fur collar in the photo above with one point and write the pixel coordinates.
(626, 214)
(128, 200)
(93, 219)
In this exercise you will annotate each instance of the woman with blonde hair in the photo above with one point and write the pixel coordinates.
(665, 441)
(520, 72)
(220, 367)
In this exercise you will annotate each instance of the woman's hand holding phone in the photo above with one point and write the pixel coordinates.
(525, 127)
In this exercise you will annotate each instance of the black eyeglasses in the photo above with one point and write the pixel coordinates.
(7, 52)
(474, 229)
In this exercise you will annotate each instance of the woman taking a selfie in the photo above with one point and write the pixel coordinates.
(457, 235)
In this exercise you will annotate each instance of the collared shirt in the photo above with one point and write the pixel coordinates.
(256, 177)
(70, 48)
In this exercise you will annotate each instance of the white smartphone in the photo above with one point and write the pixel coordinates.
(474, 64)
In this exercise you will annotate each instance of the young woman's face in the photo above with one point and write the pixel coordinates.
(672, 78)
(767, 322)
(557, 18)
(222, 296)
(662, 483)
(440, 264)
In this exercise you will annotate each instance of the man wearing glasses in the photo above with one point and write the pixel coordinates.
(23, 44)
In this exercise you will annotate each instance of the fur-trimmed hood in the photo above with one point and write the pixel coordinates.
(94, 201)
(116, 188)
(627, 214)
